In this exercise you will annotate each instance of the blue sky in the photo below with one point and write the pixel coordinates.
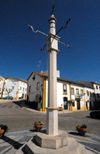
(20, 47)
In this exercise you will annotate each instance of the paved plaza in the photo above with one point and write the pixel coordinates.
(20, 121)
(13, 140)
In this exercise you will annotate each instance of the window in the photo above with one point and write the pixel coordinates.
(20, 88)
(23, 89)
(77, 92)
(72, 91)
(38, 85)
(12, 87)
(0, 89)
(64, 89)
(87, 93)
(33, 77)
(73, 104)
(29, 89)
(81, 92)
(96, 87)
(90, 94)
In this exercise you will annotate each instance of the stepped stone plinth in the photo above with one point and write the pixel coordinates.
(52, 142)
(60, 144)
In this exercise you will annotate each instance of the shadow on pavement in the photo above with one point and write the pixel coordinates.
(88, 117)
(74, 133)
(77, 134)
(20, 103)
(42, 131)
(15, 144)
(26, 149)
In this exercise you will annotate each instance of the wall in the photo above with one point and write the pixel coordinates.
(97, 91)
(15, 85)
(22, 89)
(9, 83)
(84, 101)
(60, 94)
(89, 98)
(33, 84)
(74, 98)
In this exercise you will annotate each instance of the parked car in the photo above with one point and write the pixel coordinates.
(8, 97)
(95, 114)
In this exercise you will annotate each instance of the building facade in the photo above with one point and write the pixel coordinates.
(92, 97)
(2, 82)
(71, 95)
(17, 88)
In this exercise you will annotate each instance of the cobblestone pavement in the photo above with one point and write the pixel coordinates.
(21, 120)
(13, 140)
(69, 121)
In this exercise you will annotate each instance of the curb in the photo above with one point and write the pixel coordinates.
(59, 112)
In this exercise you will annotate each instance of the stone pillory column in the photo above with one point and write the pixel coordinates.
(53, 141)
(52, 49)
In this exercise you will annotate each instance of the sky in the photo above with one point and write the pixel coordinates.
(20, 47)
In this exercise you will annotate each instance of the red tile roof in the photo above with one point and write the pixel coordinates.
(59, 79)
(41, 74)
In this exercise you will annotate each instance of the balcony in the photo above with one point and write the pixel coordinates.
(78, 96)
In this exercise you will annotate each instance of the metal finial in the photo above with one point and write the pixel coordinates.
(53, 7)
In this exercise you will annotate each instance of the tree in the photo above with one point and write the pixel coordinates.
(8, 91)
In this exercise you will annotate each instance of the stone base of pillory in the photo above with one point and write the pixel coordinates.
(52, 142)
(46, 144)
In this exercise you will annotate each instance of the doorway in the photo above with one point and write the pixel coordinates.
(22, 95)
(65, 103)
(90, 106)
(78, 104)
(87, 105)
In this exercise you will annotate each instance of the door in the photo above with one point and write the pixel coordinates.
(78, 104)
(87, 105)
(65, 103)
(22, 95)
(90, 106)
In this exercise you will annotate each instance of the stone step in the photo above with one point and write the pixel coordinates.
(72, 148)
(19, 151)
(81, 150)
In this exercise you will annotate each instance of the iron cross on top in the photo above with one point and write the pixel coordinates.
(53, 7)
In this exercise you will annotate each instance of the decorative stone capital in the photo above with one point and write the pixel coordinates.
(52, 18)
(52, 36)
(52, 42)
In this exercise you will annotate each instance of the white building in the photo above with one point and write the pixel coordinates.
(18, 88)
(70, 95)
(92, 96)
